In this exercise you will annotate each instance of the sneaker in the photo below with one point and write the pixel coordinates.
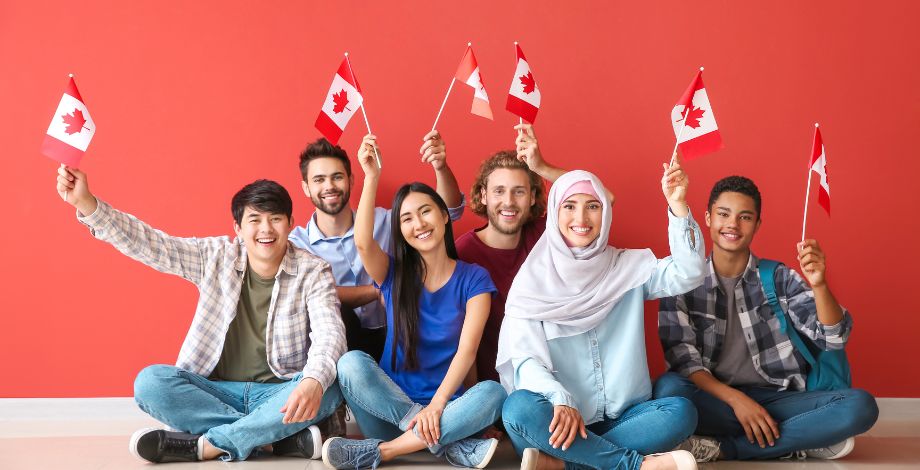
(341, 453)
(530, 459)
(836, 451)
(306, 443)
(703, 449)
(159, 446)
(683, 459)
(473, 453)
(334, 425)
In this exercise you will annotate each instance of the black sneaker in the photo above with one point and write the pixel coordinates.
(307, 443)
(334, 424)
(159, 446)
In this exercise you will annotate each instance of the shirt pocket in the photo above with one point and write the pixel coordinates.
(704, 325)
(291, 338)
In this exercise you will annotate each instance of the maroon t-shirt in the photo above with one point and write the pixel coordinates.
(502, 265)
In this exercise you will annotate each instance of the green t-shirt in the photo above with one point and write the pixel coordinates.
(243, 358)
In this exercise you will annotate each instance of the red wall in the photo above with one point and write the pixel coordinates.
(194, 99)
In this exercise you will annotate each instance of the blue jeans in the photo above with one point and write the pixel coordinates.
(807, 420)
(646, 428)
(383, 410)
(235, 417)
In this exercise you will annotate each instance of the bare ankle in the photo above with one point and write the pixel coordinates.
(208, 451)
(548, 462)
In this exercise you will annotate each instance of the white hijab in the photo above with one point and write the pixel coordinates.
(561, 291)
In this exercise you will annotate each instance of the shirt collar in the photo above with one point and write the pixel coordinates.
(749, 275)
(314, 234)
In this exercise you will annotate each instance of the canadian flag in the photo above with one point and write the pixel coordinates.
(71, 129)
(524, 96)
(342, 102)
(697, 133)
(468, 72)
(819, 166)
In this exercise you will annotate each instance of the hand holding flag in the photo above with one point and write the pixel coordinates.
(434, 151)
(674, 185)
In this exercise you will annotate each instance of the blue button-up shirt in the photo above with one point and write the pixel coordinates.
(347, 268)
(604, 371)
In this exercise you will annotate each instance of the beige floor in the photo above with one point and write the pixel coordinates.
(93, 434)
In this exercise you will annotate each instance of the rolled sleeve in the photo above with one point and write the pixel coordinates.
(456, 212)
(800, 304)
(327, 333)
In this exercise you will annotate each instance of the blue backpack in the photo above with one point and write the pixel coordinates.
(829, 370)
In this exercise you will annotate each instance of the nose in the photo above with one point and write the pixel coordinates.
(507, 198)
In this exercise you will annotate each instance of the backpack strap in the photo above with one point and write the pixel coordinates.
(767, 270)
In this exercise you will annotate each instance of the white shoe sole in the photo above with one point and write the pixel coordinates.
(489, 454)
(325, 451)
(317, 442)
(132, 444)
(530, 458)
(848, 447)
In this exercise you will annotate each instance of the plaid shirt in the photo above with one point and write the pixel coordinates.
(692, 326)
(304, 330)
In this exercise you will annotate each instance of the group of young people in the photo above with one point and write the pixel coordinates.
(530, 327)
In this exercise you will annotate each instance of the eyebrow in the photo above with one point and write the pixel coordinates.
(740, 212)
(419, 208)
(586, 202)
(323, 175)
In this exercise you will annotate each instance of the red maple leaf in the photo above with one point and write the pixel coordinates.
(529, 84)
(341, 100)
(693, 117)
(74, 121)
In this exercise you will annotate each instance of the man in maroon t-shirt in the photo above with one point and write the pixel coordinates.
(509, 192)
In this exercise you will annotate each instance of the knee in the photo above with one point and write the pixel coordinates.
(672, 384)
(683, 412)
(353, 366)
(864, 410)
(520, 405)
(149, 382)
(492, 392)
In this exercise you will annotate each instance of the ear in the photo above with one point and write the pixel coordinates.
(482, 195)
(236, 228)
(757, 225)
(708, 224)
(533, 197)
(351, 181)
(306, 188)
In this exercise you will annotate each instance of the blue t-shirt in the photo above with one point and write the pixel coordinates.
(441, 315)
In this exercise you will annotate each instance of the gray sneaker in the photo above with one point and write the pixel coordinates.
(836, 451)
(341, 453)
(474, 453)
(306, 443)
(703, 449)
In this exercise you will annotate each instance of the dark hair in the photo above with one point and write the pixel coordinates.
(506, 159)
(322, 148)
(264, 196)
(735, 184)
(408, 275)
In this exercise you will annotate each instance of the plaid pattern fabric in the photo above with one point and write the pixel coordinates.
(692, 326)
(305, 331)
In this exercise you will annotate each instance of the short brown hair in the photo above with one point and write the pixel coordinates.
(506, 159)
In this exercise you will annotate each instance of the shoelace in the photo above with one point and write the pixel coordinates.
(182, 445)
(699, 447)
(795, 455)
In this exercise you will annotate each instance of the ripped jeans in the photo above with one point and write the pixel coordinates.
(383, 410)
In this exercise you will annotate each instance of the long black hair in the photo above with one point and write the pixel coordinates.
(409, 269)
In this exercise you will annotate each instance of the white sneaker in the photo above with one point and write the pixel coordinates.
(703, 449)
(832, 452)
(682, 458)
(530, 458)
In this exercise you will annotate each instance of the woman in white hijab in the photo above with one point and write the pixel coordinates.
(571, 350)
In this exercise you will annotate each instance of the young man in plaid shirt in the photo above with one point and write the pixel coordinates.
(257, 367)
(726, 352)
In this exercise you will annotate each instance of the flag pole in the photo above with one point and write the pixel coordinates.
(364, 113)
(64, 194)
(683, 124)
(807, 194)
(520, 119)
(436, 119)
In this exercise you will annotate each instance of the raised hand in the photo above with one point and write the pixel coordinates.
(812, 262)
(433, 150)
(367, 156)
(674, 184)
(527, 149)
(73, 187)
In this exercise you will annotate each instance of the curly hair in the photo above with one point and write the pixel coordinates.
(735, 184)
(506, 159)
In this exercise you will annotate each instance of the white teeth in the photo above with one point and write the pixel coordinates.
(424, 235)
(265, 240)
(732, 236)
(581, 229)
(508, 213)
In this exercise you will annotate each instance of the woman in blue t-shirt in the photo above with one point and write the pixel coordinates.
(437, 307)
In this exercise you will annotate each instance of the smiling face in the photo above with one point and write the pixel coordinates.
(580, 219)
(422, 222)
(732, 220)
(264, 234)
(328, 185)
(508, 198)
